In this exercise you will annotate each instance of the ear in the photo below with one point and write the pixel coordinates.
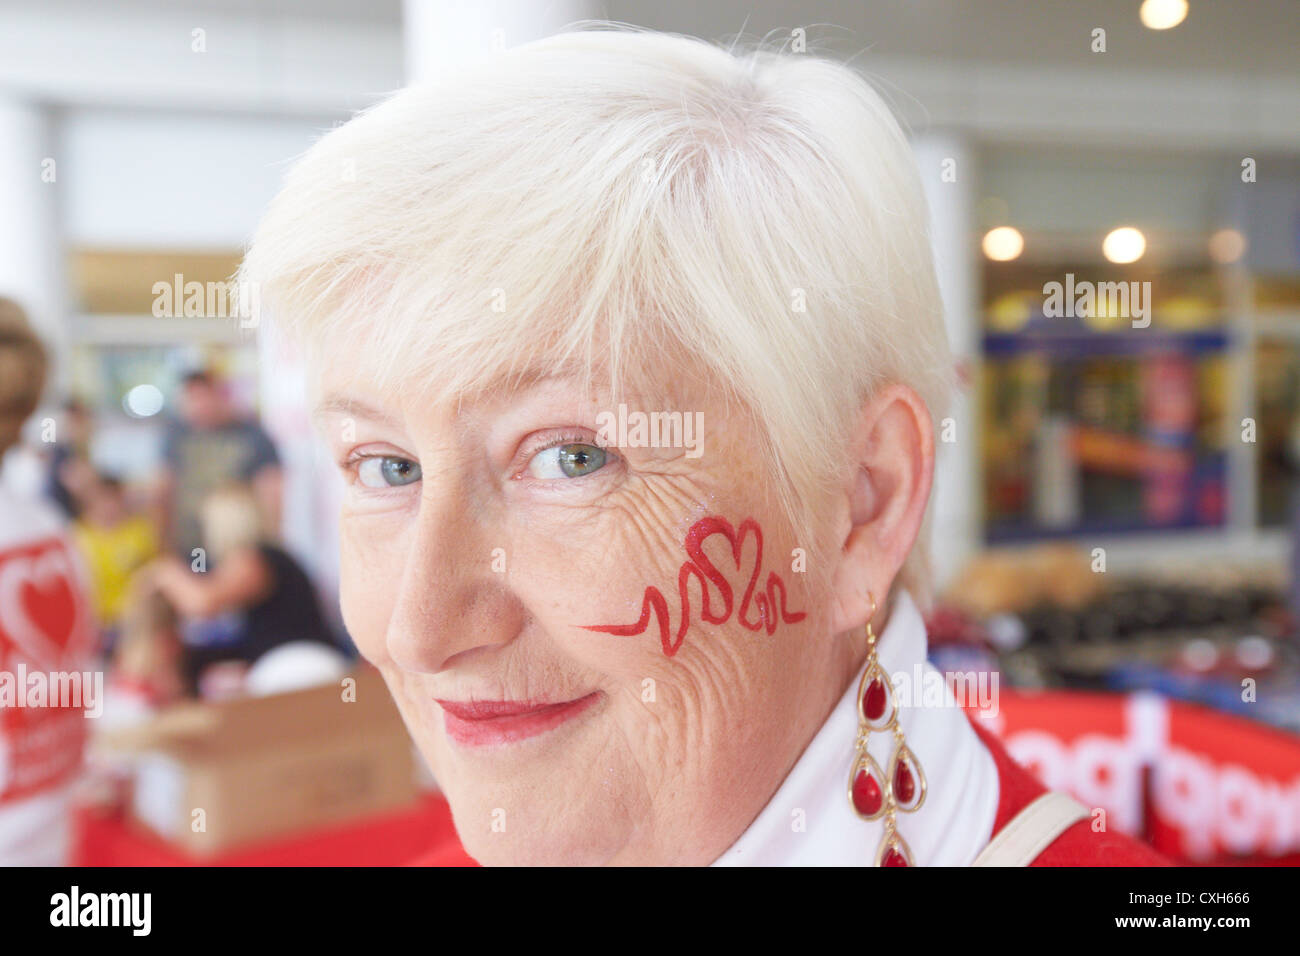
(882, 501)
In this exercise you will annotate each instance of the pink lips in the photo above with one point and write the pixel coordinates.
(487, 723)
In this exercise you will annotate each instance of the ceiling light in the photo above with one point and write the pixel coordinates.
(1162, 14)
(1003, 243)
(1124, 245)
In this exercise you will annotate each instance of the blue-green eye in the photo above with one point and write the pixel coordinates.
(384, 471)
(567, 461)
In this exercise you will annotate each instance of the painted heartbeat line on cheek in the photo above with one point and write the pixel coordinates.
(767, 603)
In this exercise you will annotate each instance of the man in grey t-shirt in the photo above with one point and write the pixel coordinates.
(206, 447)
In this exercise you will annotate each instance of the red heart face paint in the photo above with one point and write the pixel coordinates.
(767, 603)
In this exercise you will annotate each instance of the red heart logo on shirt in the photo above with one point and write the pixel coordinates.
(40, 608)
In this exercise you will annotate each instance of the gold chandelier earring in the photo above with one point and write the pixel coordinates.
(873, 794)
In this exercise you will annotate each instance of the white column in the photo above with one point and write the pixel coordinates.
(31, 243)
(948, 175)
(440, 35)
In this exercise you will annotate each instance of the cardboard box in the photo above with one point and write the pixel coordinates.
(211, 776)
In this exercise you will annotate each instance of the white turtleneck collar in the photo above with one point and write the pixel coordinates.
(953, 824)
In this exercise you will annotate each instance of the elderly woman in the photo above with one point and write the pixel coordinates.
(629, 350)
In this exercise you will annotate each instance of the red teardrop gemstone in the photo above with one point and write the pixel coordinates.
(866, 793)
(893, 858)
(874, 700)
(904, 783)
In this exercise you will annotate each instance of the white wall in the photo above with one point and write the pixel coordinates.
(149, 179)
(954, 508)
(208, 57)
(31, 264)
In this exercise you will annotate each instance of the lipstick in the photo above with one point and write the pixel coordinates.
(495, 723)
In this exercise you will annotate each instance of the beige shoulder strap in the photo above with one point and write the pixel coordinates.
(1032, 830)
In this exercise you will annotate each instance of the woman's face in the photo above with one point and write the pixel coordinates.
(497, 564)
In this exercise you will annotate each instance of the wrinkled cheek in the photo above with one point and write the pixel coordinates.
(368, 587)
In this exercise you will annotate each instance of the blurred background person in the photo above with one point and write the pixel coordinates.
(115, 541)
(69, 473)
(251, 577)
(207, 446)
(148, 660)
(43, 627)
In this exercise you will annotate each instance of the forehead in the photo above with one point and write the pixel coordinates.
(361, 382)
(353, 389)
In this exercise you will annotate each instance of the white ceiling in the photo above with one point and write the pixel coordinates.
(1016, 71)
(1238, 36)
(1247, 36)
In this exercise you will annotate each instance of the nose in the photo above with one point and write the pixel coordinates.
(450, 600)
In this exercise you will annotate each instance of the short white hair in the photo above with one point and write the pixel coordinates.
(621, 193)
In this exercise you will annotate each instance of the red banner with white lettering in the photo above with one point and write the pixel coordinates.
(1199, 785)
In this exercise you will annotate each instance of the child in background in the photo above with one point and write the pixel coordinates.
(148, 659)
(115, 543)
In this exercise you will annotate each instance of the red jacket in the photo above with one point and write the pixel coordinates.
(1079, 845)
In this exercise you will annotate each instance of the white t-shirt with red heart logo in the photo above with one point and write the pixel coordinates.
(45, 628)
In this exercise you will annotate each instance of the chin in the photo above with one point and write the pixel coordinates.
(543, 837)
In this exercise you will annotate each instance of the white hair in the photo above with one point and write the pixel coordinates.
(616, 194)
